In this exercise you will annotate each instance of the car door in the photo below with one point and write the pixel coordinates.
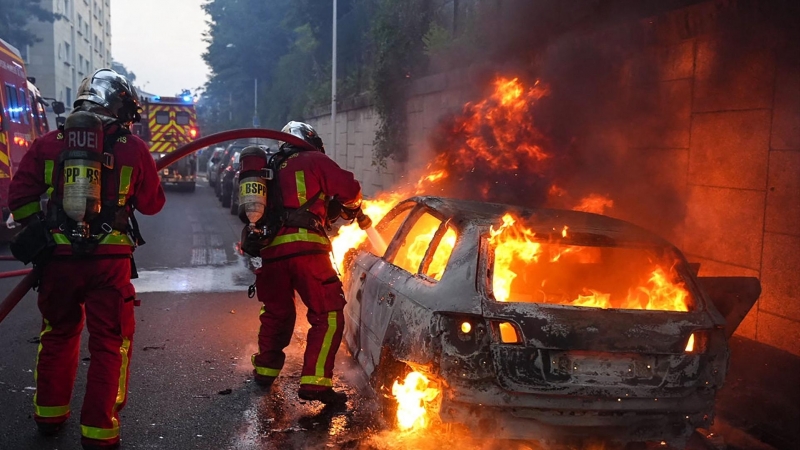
(362, 288)
(407, 266)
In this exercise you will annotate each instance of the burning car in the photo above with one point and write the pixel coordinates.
(541, 324)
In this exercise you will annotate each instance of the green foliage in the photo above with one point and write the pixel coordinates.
(397, 34)
(14, 18)
(437, 39)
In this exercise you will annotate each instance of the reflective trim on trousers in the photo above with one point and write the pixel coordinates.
(315, 380)
(50, 411)
(99, 433)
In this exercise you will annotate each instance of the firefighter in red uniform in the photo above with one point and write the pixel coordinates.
(297, 259)
(87, 266)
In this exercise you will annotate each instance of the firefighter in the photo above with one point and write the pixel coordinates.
(297, 259)
(85, 257)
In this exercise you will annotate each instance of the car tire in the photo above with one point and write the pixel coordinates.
(226, 200)
(234, 207)
(388, 371)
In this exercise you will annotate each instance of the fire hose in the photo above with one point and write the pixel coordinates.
(31, 275)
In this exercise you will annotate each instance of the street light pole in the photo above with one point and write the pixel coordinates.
(333, 83)
(256, 123)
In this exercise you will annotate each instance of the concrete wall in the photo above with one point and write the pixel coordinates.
(725, 131)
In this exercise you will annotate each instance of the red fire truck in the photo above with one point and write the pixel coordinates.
(22, 120)
(167, 123)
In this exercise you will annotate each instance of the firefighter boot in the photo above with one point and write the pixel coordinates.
(327, 396)
(49, 429)
(263, 380)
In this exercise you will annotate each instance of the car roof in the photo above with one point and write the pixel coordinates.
(541, 220)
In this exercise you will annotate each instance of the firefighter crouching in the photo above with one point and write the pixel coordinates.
(95, 174)
(294, 249)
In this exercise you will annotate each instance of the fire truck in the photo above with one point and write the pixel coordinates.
(22, 120)
(168, 123)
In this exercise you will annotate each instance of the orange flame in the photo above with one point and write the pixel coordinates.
(513, 244)
(413, 397)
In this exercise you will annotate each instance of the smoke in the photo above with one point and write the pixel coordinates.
(616, 120)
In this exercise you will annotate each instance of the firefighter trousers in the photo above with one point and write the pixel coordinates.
(320, 289)
(99, 292)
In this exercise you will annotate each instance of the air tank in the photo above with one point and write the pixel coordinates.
(83, 133)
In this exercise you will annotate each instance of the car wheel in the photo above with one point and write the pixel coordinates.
(388, 371)
(226, 199)
(234, 206)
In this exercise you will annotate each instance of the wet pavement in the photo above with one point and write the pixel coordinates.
(191, 385)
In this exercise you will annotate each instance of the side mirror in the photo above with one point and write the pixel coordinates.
(58, 107)
(60, 121)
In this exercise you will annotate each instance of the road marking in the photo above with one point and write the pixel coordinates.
(229, 278)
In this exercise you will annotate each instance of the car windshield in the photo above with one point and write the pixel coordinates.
(527, 269)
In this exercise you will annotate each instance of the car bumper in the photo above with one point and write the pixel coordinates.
(490, 409)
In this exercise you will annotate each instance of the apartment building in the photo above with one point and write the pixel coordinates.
(72, 47)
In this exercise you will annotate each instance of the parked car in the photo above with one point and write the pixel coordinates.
(226, 180)
(211, 174)
(225, 160)
(528, 355)
(234, 202)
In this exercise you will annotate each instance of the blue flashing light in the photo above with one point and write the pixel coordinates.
(187, 98)
(156, 98)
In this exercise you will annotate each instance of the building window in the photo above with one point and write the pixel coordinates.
(67, 52)
(86, 31)
(69, 96)
(88, 70)
(80, 24)
(80, 62)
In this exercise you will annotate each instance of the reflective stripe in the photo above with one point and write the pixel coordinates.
(46, 411)
(326, 344)
(300, 181)
(51, 411)
(122, 388)
(114, 238)
(49, 164)
(124, 184)
(301, 236)
(26, 211)
(267, 372)
(315, 380)
(99, 433)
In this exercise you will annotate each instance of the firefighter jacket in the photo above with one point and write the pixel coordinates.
(135, 184)
(301, 177)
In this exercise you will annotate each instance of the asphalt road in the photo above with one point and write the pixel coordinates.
(191, 384)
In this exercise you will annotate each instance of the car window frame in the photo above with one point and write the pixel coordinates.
(405, 228)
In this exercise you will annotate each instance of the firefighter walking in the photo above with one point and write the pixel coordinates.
(297, 259)
(95, 174)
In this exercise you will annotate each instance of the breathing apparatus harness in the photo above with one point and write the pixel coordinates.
(112, 216)
(277, 215)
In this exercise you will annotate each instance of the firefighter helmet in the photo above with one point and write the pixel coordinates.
(305, 132)
(113, 92)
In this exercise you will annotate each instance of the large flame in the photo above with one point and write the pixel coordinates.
(413, 397)
(517, 246)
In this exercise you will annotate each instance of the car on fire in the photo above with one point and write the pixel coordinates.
(541, 324)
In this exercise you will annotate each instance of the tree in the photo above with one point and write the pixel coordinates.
(14, 18)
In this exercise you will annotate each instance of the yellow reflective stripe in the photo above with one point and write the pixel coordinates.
(315, 380)
(49, 164)
(51, 411)
(47, 329)
(326, 344)
(61, 239)
(26, 211)
(124, 184)
(114, 238)
(122, 388)
(266, 371)
(301, 236)
(300, 181)
(99, 433)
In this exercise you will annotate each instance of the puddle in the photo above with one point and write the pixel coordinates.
(228, 278)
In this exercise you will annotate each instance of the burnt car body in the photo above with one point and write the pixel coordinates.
(570, 372)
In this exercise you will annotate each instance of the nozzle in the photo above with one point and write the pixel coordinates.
(363, 220)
